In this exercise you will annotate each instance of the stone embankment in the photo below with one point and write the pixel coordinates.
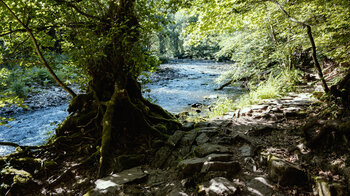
(246, 152)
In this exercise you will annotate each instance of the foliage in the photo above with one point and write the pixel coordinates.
(255, 34)
(278, 84)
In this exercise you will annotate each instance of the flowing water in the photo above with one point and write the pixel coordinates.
(176, 86)
(181, 84)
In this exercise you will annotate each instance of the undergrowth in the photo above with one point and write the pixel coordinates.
(277, 84)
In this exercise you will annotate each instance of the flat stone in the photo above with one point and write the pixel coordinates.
(218, 186)
(260, 186)
(110, 185)
(230, 167)
(206, 149)
(202, 139)
(286, 173)
(191, 166)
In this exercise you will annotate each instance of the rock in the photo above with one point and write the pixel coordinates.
(346, 172)
(259, 107)
(175, 138)
(218, 186)
(112, 184)
(186, 142)
(206, 149)
(128, 161)
(219, 157)
(188, 126)
(196, 105)
(210, 131)
(246, 112)
(230, 167)
(246, 150)
(202, 139)
(161, 156)
(241, 138)
(286, 173)
(191, 166)
(202, 124)
(177, 192)
(325, 188)
(260, 186)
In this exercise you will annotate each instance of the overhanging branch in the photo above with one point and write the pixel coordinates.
(77, 9)
(36, 47)
(313, 45)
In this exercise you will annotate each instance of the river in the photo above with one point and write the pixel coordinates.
(176, 87)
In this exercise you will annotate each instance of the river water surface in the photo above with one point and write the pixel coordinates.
(177, 86)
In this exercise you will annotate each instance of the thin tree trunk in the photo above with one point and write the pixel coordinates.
(38, 51)
(313, 45)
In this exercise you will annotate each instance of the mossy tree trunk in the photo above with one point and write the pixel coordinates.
(113, 109)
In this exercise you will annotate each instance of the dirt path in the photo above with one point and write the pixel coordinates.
(247, 152)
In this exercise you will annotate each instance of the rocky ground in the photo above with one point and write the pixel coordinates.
(254, 151)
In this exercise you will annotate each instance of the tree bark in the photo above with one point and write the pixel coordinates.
(313, 45)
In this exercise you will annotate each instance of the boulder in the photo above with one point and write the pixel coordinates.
(218, 186)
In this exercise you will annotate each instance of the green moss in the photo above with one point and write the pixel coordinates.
(19, 176)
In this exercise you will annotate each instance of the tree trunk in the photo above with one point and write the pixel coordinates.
(126, 122)
(313, 45)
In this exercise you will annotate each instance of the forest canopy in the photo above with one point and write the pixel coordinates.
(105, 45)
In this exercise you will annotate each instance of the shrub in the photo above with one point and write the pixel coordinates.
(19, 88)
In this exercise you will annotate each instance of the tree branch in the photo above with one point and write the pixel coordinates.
(313, 45)
(9, 144)
(70, 4)
(36, 47)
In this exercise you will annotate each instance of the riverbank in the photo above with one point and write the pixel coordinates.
(40, 97)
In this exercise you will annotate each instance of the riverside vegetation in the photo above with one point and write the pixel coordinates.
(267, 142)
